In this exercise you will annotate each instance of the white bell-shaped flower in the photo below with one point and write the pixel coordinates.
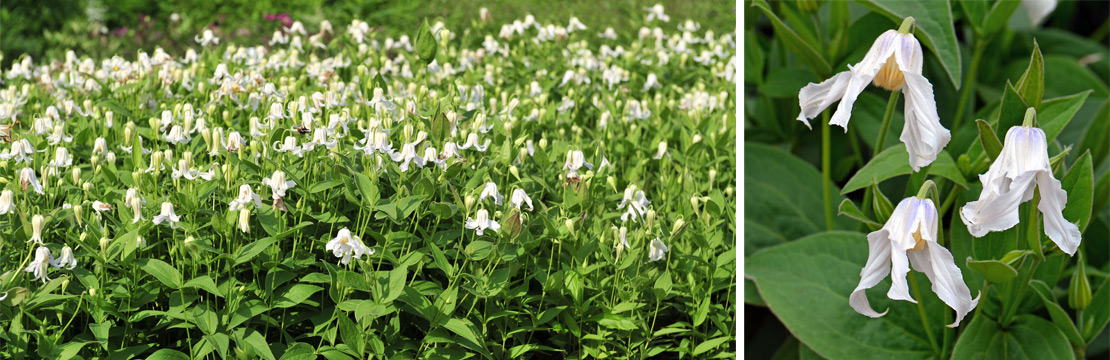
(345, 244)
(167, 215)
(1022, 166)
(894, 63)
(482, 222)
(490, 190)
(909, 237)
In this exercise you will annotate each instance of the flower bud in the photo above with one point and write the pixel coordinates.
(469, 202)
(104, 243)
(77, 214)
(678, 224)
(712, 177)
(244, 220)
(92, 292)
(513, 170)
(650, 218)
(75, 175)
(1079, 291)
(570, 225)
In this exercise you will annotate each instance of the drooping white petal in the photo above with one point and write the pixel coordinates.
(1065, 234)
(922, 133)
(815, 98)
(947, 280)
(875, 270)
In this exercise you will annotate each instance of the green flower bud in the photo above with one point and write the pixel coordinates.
(1079, 291)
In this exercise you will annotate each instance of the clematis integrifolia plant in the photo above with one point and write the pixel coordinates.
(910, 237)
(1022, 166)
(894, 62)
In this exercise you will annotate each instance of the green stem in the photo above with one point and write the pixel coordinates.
(921, 311)
(1017, 292)
(826, 168)
(887, 116)
(969, 84)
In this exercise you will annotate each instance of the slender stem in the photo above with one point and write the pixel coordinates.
(921, 311)
(1017, 292)
(826, 168)
(969, 83)
(887, 116)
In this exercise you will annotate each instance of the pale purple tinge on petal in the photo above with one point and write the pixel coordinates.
(815, 98)
(876, 269)
(899, 289)
(1065, 234)
(947, 280)
(922, 133)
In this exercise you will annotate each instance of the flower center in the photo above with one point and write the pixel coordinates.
(890, 77)
(344, 240)
(919, 242)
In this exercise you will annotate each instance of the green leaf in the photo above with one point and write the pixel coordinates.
(988, 139)
(993, 270)
(1057, 313)
(1031, 84)
(426, 45)
(206, 319)
(894, 161)
(299, 351)
(168, 354)
(1094, 137)
(1055, 114)
(248, 252)
(975, 10)
(934, 25)
(1011, 112)
(1028, 337)
(882, 205)
(999, 13)
(785, 82)
(806, 284)
(792, 41)
(440, 260)
(204, 283)
(710, 345)
(783, 198)
(351, 334)
(463, 328)
(1079, 185)
(162, 271)
(295, 294)
(1097, 313)
(258, 342)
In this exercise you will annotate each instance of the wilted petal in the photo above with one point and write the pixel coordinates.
(815, 98)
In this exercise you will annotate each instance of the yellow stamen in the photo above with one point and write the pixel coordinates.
(890, 76)
(920, 243)
(344, 240)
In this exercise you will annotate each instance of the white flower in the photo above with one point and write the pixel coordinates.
(662, 150)
(319, 137)
(518, 198)
(636, 202)
(37, 222)
(408, 155)
(622, 234)
(345, 244)
(61, 158)
(1038, 9)
(21, 150)
(246, 196)
(27, 177)
(66, 258)
(895, 59)
(481, 222)
(7, 202)
(290, 145)
(278, 184)
(42, 262)
(245, 220)
(910, 237)
(376, 141)
(608, 34)
(207, 38)
(575, 160)
(100, 207)
(656, 12)
(1022, 164)
(472, 141)
(176, 135)
(575, 25)
(658, 250)
(652, 82)
(167, 215)
(490, 190)
(234, 141)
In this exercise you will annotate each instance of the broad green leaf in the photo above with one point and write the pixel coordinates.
(463, 328)
(426, 45)
(710, 344)
(1079, 185)
(350, 334)
(934, 25)
(162, 271)
(792, 41)
(783, 198)
(806, 284)
(299, 351)
(1028, 337)
(751, 294)
(989, 139)
(894, 161)
(1056, 312)
(168, 354)
(294, 295)
(1031, 84)
(440, 260)
(975, 11)
(1066, 76)
(206, 319)
(1011, 112)
(1095, 136)
(785, 82)
(882, 205)
(993, 270)
(753, 59)
(258, 342)
(1056, 113)
(204, 283)
(248, 252)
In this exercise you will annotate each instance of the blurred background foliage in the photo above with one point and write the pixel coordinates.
(102, 28)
